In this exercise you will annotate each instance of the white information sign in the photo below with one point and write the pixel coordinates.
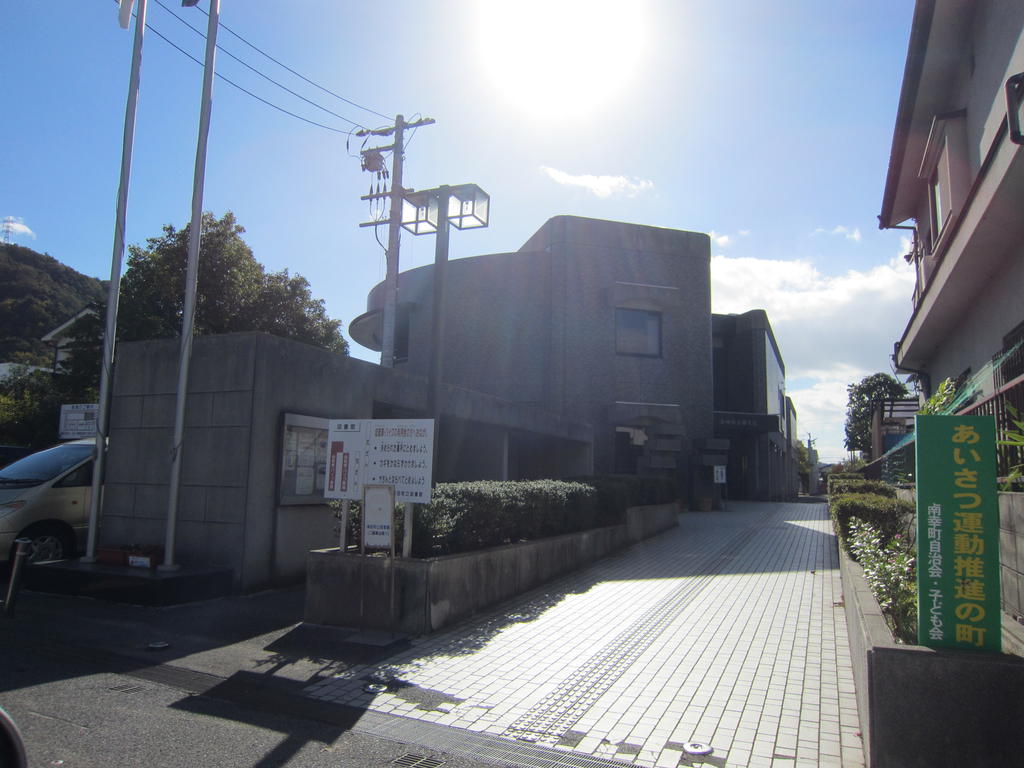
(78, 420)
(719, 473)
(378, 516)
(396, 452)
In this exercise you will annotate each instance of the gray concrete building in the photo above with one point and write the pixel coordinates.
(751, 409)
(602, 322)
(588, 350)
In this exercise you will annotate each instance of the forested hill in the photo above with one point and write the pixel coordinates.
(37, 293)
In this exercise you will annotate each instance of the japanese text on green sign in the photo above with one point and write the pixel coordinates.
(957, 533)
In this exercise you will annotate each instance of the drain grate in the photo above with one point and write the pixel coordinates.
(126, 688)
(418, 761)
(482, 747)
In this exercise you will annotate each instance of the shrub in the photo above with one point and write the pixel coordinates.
(832, 478)
(860, 485)
(463, 517)
(616, 493)
(891, 516)
(890, 570)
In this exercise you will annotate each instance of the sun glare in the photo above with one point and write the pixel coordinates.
(560, 59)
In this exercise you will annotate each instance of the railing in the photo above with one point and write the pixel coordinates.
(1007, 398)
(1010, 367)
(898, 465)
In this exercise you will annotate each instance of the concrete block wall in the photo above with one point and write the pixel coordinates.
(432, 593)
(1011, 552)
(240, 386)
(215, 470)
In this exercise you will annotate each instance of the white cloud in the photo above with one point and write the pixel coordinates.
(17, 227)
(720, 240)
(821, 412)
(833, 330)
(849, 234)
(601, 186)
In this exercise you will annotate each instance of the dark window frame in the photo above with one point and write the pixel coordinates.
(647, 312)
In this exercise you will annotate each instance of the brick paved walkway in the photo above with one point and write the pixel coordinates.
(726, 631)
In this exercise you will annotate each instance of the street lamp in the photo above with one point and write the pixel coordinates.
(429, 212)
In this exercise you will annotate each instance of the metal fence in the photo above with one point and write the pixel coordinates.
(1007, 405)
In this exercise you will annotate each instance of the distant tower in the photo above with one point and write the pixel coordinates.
(8, 230)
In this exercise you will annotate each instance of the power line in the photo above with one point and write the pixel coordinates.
(297, 74)
(247, 92)
(258, 72)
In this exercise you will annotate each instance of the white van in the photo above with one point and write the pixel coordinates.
(45, 497)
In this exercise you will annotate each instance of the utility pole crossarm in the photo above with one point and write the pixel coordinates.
(391, 128)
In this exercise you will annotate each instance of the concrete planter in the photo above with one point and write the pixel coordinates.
(421, 596)
(920, 707)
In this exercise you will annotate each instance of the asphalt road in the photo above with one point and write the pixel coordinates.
(77, 678)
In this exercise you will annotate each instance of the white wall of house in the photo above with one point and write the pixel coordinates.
(978, 335)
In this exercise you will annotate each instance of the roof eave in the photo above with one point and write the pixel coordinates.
(920, 30)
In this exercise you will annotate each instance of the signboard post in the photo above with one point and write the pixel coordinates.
(380, 462)
(379, 517)
(958, 600)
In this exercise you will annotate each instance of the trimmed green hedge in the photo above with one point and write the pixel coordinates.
(843, 476)
(463, 517)
(891, 516)
(860, 485)
(875, 529)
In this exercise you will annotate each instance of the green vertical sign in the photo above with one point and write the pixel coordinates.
(958, 603)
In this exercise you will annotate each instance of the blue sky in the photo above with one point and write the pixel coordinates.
(766, 124)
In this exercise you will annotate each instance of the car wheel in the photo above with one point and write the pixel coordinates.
(48, 542)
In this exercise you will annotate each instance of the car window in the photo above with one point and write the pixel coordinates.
(48, 464)
(77, 477)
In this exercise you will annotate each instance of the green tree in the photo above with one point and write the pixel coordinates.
(235, 293)
(861, 399)
(30, 404)
(941, 400)
(803, 465)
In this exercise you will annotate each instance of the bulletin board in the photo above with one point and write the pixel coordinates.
(303, 460)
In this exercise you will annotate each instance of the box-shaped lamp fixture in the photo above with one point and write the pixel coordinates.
(468, 208)
(419, 212)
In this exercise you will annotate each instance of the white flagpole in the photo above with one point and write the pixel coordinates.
(191, 276)
(114, 289)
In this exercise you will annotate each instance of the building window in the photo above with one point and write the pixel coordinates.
(945, 173)
(939, 194)
(637, 332)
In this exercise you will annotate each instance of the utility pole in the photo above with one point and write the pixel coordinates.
(373, 162)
